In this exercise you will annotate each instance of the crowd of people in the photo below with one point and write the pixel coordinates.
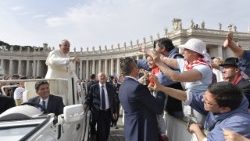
(185, 83)
(219, 102)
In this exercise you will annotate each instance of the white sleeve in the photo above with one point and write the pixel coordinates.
(204, 70)
(55, 59)
(181, 63)
(189, 98)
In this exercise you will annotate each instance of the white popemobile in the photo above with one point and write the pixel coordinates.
(28, 123)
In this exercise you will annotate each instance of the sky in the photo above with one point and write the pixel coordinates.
(88, 23)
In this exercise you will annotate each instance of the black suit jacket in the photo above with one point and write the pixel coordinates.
(89, 84)
(116, 86)
(93, 99)
(6, 103)
(55, 104)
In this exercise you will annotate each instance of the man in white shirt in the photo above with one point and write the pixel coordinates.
(18, 93)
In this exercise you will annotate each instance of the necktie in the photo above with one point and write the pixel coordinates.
(102, 99)
(43, 104)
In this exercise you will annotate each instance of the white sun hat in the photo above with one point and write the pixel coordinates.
(195, 45)
(198, 46)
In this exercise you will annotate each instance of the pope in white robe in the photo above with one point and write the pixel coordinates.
(60, 64)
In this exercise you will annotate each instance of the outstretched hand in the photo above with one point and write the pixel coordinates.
(155, 84)
(155, 55)
(229, 40)
(194, 127)
(75, 59)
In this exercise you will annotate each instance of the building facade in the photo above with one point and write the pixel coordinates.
(31, 63)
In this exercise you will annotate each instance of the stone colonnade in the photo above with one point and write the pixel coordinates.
(109, 66)
(30, 68)
(33, 67)
(30, 61)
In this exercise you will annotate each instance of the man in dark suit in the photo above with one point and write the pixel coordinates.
(6, 103)
(116, 85)
(50, 103)
(91, 82)
(101, 100)
(139, 105)
(232, 73)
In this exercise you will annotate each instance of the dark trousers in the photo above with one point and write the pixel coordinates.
(114, 121)
(92, 125)
(103, 125)
(174, 106)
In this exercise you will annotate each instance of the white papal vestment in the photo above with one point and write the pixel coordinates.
(60, 66)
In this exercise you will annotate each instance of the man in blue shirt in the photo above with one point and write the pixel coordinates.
(223, 103)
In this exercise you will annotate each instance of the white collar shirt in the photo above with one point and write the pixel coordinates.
(132, 78)
(107, 105)
(46, 102)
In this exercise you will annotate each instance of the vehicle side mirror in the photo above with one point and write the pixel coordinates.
(73, 113)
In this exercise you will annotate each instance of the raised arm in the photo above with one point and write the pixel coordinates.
(170, 62)
(186, 76)
(238, 51)
(55, 59)
(157, 57)
(175, 93)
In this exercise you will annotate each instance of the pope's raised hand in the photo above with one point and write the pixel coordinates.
(75, 59)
